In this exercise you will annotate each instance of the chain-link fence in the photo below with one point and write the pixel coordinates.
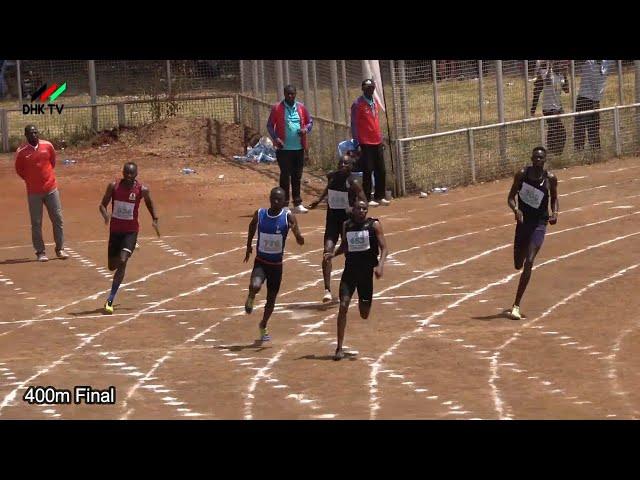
(484, 153)
(80, 121)
(475, 92)
(423, 97)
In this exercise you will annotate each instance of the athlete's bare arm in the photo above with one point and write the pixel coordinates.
(146, 194)
(377, 227)
(511, 199)
(105, 202)
(293, 225)
(356, 187)
(553, 193)
(253, 225)
(343, 245)
(313, 205)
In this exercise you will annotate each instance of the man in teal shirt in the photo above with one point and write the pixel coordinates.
(288, 124)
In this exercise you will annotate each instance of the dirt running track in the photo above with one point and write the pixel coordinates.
(437, 344)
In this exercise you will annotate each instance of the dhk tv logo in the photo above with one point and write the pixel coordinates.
(42, 95)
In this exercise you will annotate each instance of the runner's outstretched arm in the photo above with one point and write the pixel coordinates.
(293, 225)
(105, 201)
(253, 225)
(377, 227)
(555, 204)
(146, 194)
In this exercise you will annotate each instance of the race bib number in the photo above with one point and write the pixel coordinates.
(358, 241)
(338, 200)
(530, 195)
(270, 243)
(123, 210)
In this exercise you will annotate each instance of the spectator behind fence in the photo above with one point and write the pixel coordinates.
(366, 132)
(592, 83)
(288, 124)
(551, 80)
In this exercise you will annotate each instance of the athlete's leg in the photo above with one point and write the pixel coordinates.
(365, 292)
(329, 245)
(347, 287)
(121, 247)
(537, 238)
(521, 245)
(274, 279)
(118, 276)
(255, 283)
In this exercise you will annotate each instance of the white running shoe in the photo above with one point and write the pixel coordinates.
(327, 296)
(62, 254)
(300, 209)
(373, 203)
(385, 202)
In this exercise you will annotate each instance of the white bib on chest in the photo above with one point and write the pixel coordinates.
(338, 199)
(270, 243)
(531, 195)
(123, 210)
(358, 241)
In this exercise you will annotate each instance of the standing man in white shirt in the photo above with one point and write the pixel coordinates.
(592, 83)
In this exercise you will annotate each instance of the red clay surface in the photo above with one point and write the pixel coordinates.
(437, 343)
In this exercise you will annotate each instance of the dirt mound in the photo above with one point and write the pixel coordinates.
(176, 137)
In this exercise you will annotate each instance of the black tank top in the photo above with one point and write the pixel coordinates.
(533, 198)
(362, 243)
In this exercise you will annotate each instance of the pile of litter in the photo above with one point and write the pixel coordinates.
(263, 151)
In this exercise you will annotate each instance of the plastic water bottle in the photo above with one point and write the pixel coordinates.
(188, 171)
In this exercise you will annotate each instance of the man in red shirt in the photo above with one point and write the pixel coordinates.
(124, 195)
(367, 136)
(35, 163)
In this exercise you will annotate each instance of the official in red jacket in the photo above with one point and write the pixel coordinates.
(367, 136)
(35, 163)
(288, 124)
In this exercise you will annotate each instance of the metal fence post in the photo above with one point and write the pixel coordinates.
(287, 74)
(169, 77)
(4, 126)
(404, 101)
(304, 65)
(263, 90)
(345, 89)
(400, 184)
(94, 94)
(400, 155)
(527, 112)
(542, 130)
(366, 72)
(122, 119)
(434, 76)
(500, 95)
(314, 78)
(19, 80)
(616, 131)
(279, 81)
(636, 64)
(335, 105)
(242, 76)
(620, 92)
(472, 157)
(573, 86)
(256, 92)
(480, 92)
